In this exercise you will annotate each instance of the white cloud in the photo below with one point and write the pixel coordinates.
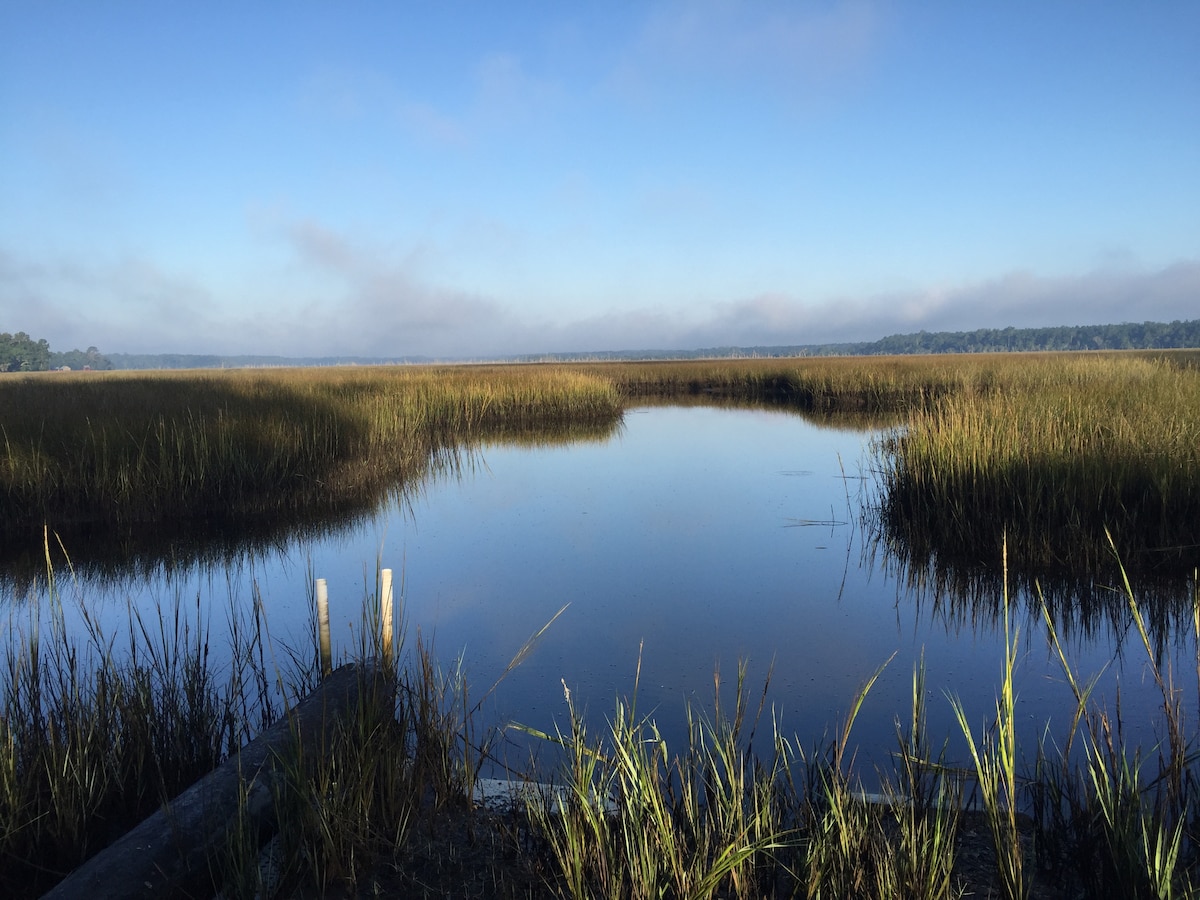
(380, 305)
(350, 298)
(1019, 299)
(106, 305)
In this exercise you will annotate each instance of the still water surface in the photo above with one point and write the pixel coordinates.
(693, 538)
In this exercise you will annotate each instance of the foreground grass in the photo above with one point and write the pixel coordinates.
(97, 733)
(94, 736)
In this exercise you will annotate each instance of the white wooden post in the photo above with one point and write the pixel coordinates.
(385, 615)
(323, 627)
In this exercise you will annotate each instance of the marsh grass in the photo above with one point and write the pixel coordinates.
(95, 737)
(876, 384)
(995, 761)
(97, 731)
(925, 796)
(1044, 449)
(631, 819)
(1054, 454)
(1050, 449)
(122, 449)
(371, 794)
(1124, 819)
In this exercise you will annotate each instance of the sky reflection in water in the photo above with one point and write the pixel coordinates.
(695, 536)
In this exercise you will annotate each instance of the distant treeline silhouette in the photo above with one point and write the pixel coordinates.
(21, 352)
(1126, 336)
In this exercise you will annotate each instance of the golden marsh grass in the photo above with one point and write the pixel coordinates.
(1050, 449)
(1054, 453)
(126, 448)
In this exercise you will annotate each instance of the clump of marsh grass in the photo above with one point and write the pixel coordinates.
(120, 449)
(1123, 821)
(994, 757)
(95, 736)
(925, 798)
(841, 851)
(368, 795)
(875, 384)
(631, 820)
(900, 842)
(1055, 454)
(349, 800)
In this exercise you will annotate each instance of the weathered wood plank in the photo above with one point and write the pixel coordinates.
(169, 854)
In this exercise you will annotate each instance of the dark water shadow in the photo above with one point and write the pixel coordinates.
(967, 594)
(835, 418)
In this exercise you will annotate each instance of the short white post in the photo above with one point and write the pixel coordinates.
(323, 627)
(385, 615)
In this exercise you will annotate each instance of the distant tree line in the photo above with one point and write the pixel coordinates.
(21, 353)
(91, 358)
(1126, 336)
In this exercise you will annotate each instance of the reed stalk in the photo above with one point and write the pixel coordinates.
(1118, 829)
(925, 799)
(995, 759)
(633, 820)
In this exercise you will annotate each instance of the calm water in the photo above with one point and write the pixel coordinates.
(695, 537)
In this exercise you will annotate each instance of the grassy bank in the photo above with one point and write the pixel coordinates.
(93, 736)
(127, 448)
(118, 449)
(1056, 453)
(1050, 450)
(846, 384)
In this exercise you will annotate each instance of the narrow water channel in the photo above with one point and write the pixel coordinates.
(692, 539)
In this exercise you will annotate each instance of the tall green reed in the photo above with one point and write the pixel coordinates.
(95, 735)
(994, 757)
(633, 820)
(1123, 819)
(925, 798)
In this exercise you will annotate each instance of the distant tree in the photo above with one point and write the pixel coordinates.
(21, 353)
(91, 358)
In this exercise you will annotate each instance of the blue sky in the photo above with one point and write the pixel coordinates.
(480, 179)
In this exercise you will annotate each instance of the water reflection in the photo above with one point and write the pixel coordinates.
(1086, 606)
(689, 537)
(110, 557)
